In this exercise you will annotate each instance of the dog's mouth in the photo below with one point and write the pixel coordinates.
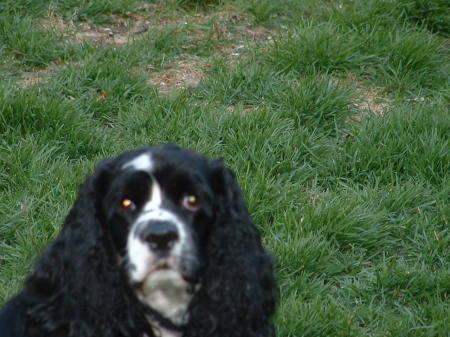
(159, 271)
(166, 264)
(161, 267)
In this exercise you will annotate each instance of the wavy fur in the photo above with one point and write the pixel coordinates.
(79, 289)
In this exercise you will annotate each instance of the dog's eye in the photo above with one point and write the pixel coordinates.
(127, 205)
(191, 202)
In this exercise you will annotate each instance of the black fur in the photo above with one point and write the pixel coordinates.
(79, 289)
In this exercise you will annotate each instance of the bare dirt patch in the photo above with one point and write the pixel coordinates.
(373, 102)
(29, 78)
(235, 30)
(230, 31)
(57, 24)
(185, 73)
(244, 110)
(119, 32)
(370, 101)
(231, 34)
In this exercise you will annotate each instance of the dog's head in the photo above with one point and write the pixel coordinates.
(158, 204)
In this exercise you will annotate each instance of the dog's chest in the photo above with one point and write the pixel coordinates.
(163, 332)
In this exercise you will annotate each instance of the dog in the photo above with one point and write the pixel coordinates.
(159, 243)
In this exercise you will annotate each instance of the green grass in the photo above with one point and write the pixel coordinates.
(400, 59)
(334, 116)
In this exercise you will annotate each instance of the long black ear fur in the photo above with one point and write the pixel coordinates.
(236, 298)
(77, 288)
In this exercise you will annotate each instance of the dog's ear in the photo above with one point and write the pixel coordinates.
(102, 176)
(228, 193)
(90, 194)
(236, 297)
(77, 280)
(218, 176)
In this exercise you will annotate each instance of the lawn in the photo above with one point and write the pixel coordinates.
(333, 114)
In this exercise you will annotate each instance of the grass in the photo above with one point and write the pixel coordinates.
(334, 115)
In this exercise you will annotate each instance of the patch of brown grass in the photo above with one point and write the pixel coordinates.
(185, 73)
(370, 100)
(119, 32)
(231, 33)
(28, 78)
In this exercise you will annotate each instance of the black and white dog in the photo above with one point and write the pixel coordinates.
(158, 243)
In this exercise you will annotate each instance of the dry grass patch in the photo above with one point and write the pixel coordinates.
(244, 110)
(185, 73)
(119, 32)
(56, 23)
(28, 78)
(373, 101)
(367, 99)
(230, 32)
(235, 29)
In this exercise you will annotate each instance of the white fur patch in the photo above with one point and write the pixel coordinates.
(140, 258)
(156, 198)
(167, 293)
(164, 290)
(152, 211)
(141, 163)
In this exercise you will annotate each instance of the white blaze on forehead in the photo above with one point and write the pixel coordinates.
(155, 199)
(153, 210)
(142, 163)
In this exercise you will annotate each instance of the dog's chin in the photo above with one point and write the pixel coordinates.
(167, 292)
(165, 273)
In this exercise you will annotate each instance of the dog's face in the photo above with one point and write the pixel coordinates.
(159, 209)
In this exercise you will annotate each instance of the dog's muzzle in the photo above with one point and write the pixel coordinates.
(161, 236)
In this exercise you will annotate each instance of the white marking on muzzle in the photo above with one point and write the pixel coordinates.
(160, 214)
(139, 252)
(140, 258)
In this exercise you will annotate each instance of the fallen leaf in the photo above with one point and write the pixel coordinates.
(103, 95)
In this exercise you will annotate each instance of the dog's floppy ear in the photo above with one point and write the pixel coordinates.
(85, 211)
(77, 280)
(224, 184)
(81, 229)
(101, 177)
(236, 297)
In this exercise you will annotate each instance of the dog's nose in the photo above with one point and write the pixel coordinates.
(161, 235)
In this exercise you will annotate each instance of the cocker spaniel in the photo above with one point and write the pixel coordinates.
(158, 243)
